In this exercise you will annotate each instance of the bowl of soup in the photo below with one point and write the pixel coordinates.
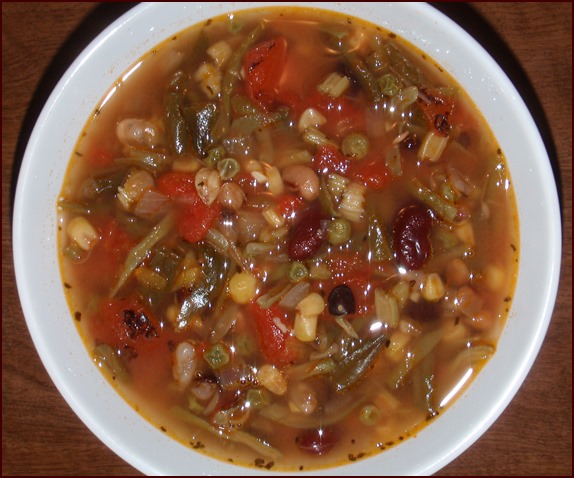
(286, 238)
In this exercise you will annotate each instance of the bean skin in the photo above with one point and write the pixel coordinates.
(411, 237)
(318, 441)
(309, 236)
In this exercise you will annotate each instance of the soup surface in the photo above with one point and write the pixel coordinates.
(288, 239)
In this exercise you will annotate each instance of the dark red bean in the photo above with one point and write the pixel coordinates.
(308, 237)
(318, 441)
(341, 300)
(411, 236)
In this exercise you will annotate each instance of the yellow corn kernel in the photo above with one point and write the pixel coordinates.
(272, 379)
(243, 287)
(305, 327)
(311, 305)
(433, 288)
(82, 233)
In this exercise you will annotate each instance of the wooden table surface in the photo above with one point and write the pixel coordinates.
(41, 435)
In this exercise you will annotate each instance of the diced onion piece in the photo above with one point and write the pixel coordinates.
(334, 85)
(432, 147)
(272, 379)
(310, 118)
(135, 184)
(386, 309)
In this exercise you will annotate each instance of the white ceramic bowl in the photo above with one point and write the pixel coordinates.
(39, 280)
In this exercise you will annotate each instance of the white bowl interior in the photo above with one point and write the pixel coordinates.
(40, 285)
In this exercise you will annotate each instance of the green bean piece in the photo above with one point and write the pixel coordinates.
(230, 78)
(389, 85)
(142, 249)
(215, 270)
(369, 415)
(200, 119)
(297, 271)
(106, 357)
(216, 356)
(339, 231)
(75, 207)
(422, 348)
(228, 168)
(377, 240)
(258, 398)
(238, 436)
(355, 145)
(363, 75)
(423, 386)
(444, 209)
(213, 156)
(357, 363)
(178, 135)
(393, 160)
(408, 73)
(74, 252)
(98, 186)
(153, 162)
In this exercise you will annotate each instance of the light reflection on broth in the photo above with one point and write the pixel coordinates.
(290, 239)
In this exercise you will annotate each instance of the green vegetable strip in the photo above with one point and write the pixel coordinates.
(237, 436)
(422, 348)
(141, 250)
(444, 209)
(363, 75)
(178, 136)
(230, 77)
(377, 241)
(357, 363)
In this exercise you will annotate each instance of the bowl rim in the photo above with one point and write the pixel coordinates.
(145, 458)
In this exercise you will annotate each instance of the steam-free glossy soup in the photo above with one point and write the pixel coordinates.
(288, 239)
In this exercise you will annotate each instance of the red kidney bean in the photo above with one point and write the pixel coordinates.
(318, 441)
(308, 237)
(411, 236)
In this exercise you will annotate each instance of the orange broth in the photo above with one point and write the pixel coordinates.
(287, 238)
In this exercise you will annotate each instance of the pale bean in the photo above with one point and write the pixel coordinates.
(303, 179)
(184, 363)
(138, 132)
(231, 196)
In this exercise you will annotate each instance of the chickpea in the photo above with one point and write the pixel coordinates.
(231, 196)
(303, 179)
